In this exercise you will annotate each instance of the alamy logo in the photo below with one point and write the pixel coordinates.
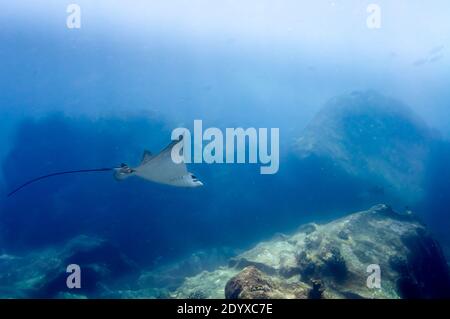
(236, 145)
(73, 20)
(374, 279)
(374, 19)
(74, 279)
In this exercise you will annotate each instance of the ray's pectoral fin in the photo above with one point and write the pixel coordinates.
(161, 168)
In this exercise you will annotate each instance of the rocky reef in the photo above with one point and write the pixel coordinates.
(332, 261)
(42, 274)
(105, 271)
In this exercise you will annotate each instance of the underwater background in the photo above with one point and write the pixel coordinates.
(363, 116)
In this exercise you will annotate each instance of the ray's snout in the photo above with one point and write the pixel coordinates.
(195, 181)
(122, 172)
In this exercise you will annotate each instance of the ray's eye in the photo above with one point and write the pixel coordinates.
(194, 177)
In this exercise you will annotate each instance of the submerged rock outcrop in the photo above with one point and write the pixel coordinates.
(372, 138)
(332, 261)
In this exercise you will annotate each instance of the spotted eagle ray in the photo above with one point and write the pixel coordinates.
(158, 168)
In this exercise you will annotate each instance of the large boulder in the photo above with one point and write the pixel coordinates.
(332, 261)
(374, 139)
(252, 283)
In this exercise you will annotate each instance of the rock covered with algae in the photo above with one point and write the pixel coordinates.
(332, 261)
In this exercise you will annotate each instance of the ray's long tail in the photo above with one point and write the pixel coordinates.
(60, 173)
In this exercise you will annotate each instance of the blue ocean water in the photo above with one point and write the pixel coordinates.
(100, 95)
